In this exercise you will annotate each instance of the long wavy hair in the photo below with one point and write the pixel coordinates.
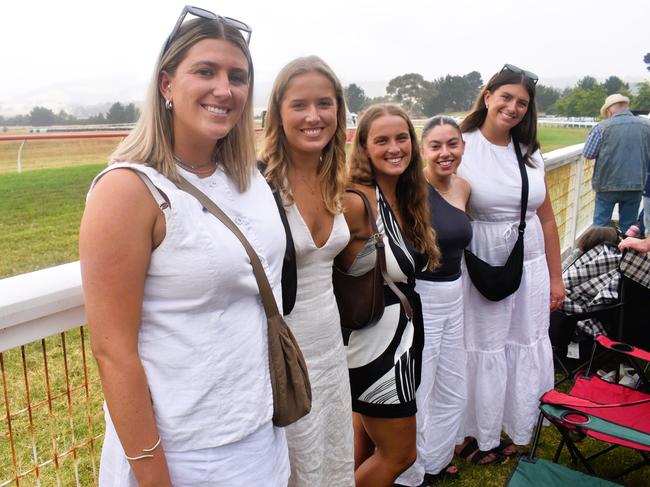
(411, 188)
(275, 151)
(151, 141)
(526, 130)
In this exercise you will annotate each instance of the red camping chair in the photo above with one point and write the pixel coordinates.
(608, 412)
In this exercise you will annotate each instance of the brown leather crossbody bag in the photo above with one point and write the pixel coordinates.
(360, 299)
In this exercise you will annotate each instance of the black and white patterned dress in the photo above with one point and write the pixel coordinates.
(384, 360)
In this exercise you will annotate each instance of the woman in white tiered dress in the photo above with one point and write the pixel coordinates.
(510, 363)
(304, 154)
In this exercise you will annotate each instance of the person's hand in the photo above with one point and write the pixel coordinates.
(633, 231)
(638, 244)
(557, 293)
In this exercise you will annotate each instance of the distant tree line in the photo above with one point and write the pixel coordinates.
(587, 96)
(422, 97)
(450, 93)
(43, 117)
(454, 93)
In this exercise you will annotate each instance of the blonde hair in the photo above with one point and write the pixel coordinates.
(275, 152)
(411, 188)
(151, 141)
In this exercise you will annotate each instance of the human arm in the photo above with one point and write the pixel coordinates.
(592, 144)
(639, 244)
(552, 249)
(120, 226)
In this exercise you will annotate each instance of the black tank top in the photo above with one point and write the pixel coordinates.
(454, 233)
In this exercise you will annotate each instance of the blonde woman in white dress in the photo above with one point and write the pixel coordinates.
(176, 322)
(304, 155)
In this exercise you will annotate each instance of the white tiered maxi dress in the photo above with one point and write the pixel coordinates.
(509, 357)
(321, 450)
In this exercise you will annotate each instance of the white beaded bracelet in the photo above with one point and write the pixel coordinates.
(147, 452)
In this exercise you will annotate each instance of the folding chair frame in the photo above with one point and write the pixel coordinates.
(565, 426)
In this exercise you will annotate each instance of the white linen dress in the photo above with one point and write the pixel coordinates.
(320, 444)
(509, 357)
(203, 339)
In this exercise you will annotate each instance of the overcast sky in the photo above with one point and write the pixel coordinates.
(91, 52)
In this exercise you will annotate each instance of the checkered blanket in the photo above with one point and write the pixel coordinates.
(592, 279)
(636, 266)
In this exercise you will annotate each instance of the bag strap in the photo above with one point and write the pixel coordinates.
(268, 299)
(524, 186)
(381, 255)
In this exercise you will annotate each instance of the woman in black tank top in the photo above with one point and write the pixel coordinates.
(442, 393)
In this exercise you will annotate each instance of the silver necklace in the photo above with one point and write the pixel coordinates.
(192, 167)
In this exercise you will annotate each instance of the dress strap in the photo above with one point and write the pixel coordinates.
(155, 192)
(161, 200)
(381, 255)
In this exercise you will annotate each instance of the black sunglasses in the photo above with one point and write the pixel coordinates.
(245, 29)
(515, 69)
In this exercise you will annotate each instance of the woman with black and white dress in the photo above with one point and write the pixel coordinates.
(384, 359)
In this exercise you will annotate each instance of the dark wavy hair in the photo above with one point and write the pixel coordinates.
(411, 186)
(526, 130)
(436, 121)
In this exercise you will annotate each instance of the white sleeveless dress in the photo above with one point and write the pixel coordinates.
(203, 339)
(509, 356)
(321, 443)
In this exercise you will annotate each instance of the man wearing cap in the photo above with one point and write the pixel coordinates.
(621, 146)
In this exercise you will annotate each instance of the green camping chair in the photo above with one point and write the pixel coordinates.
(537, 472)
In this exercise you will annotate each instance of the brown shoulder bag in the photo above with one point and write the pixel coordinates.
(360, 299)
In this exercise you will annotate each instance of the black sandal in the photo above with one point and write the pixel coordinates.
(473, 454)
(501, 449)
(444, 474)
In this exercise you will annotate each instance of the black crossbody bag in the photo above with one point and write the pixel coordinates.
(499, 282)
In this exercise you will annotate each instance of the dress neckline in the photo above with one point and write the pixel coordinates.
(437, 193)
(306, 228)
(508, 147)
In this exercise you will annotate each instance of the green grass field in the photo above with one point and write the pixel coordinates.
(40, 212)
(551, 138)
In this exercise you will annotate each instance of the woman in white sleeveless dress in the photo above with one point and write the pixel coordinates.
(176, 321)
(510, 362)
(304, 156)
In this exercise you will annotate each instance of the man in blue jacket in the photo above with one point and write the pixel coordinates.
(621, 146)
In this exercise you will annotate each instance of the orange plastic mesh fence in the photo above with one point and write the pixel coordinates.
(51, 417)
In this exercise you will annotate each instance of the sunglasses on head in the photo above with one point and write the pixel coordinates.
(245, 29)
(515, 69)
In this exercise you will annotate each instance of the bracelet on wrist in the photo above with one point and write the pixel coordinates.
(146, 452)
